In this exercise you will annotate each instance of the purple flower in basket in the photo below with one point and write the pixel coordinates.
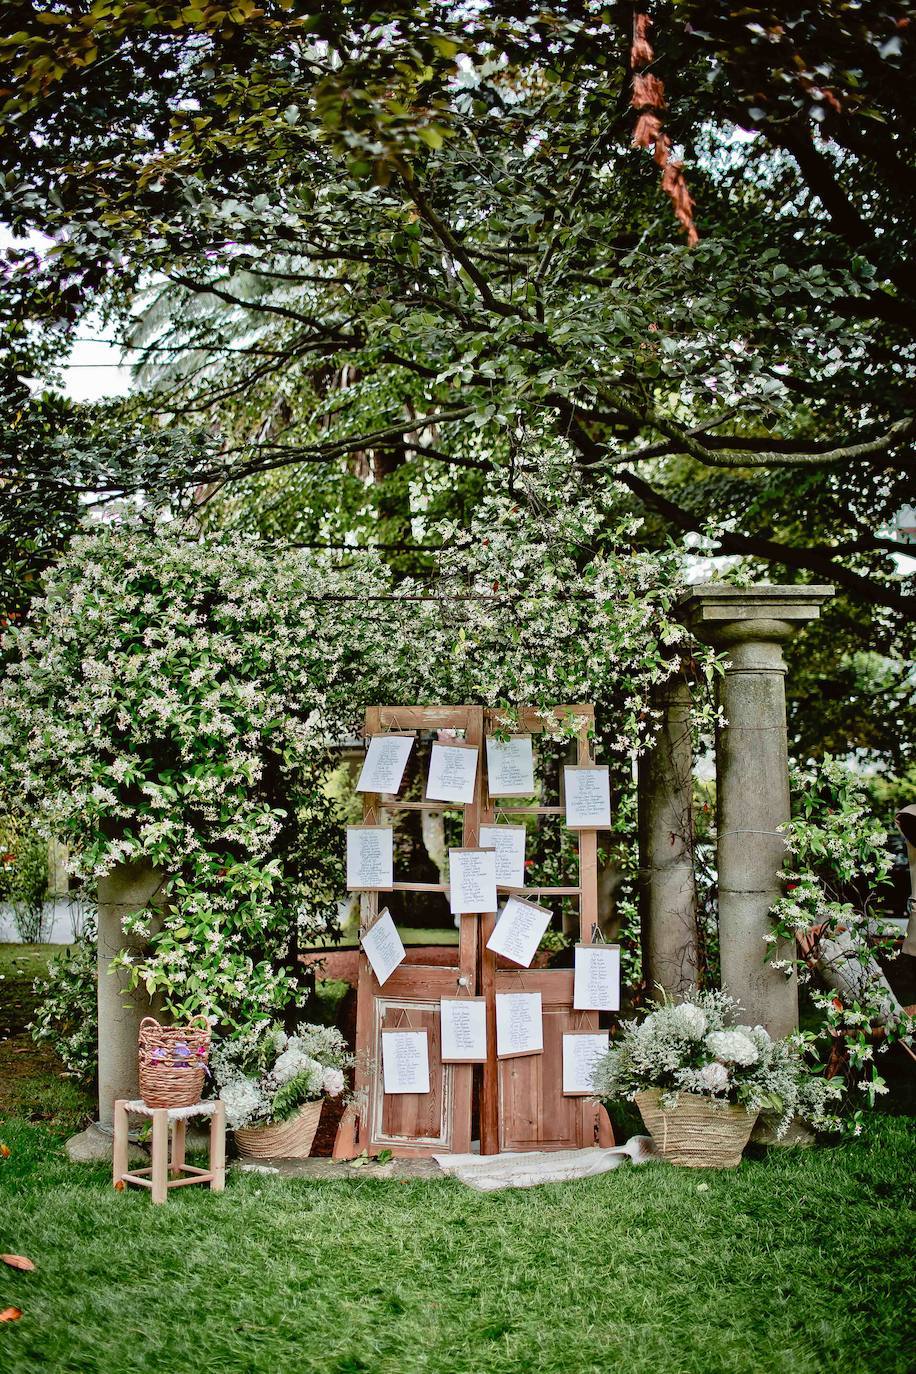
(157, 1054)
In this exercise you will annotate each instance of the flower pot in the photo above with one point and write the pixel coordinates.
(696, 1134)
(290, 1139)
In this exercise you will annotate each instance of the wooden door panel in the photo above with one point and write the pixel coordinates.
(533, 1113)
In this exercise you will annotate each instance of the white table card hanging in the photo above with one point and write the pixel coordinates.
(588, 797)
(518, 931)
(596, 986)
(510, 767)
(370, 857)
(405, 1060)
(509, 843)
(452, 773)
(472, 880)
(581, 1051)
(384, 764)
(464, 1030)
(519, 1024)
(382, 946)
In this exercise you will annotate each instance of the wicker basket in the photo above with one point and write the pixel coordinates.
(173, 1062)
(286, 1140)
(696, 1134)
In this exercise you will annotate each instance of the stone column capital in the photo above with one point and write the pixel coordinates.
(751, 622)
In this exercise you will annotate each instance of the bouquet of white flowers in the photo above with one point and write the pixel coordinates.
(265, 1075)
(694, 1046)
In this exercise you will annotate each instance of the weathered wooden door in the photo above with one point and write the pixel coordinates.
(438, 1121)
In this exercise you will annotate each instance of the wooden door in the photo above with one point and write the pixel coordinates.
(438, 1121)
(533, 1112)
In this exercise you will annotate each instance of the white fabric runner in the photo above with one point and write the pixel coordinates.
(525, 1169)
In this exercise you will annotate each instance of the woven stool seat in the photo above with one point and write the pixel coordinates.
(167, 1172)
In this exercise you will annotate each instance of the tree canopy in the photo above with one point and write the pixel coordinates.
(376, 262)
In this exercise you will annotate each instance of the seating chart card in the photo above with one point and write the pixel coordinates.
(597, 981)
(382, 946)
(588, 797)
(509, 843)
(384, 764)
(405, 1061)
(581, 1051)
(510, 767)
(370, 857)
(519, 1024)
(464, 1030)
(518, 931)
(472, 880)
(452, 773)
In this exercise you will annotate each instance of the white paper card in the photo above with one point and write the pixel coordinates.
(472, 880)
(452, 773)
(464, 1030)
(510, 767)
(597, 981)
(518, 931)
(588, 798)
(581, 1051)
(370, 857)
(519, 1024)
(509, 843)
(384, 764)
(405, 1061)
(383, 947)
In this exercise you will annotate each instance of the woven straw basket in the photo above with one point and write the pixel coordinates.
(286, 1140)
(173, 1062)
(697, 1134)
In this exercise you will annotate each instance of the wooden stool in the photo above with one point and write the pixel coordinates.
(156, 1177)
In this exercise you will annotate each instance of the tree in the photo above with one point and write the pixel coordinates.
(421, 245)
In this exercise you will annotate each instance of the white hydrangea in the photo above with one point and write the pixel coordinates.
(691, 1020)
(714, 1077)
(333, 1082)
(244, 1102)
(292, 1062)
(733, 1046)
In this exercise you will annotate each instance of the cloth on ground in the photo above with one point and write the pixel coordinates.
(489, 1173)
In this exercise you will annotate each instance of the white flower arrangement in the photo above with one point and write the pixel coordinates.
(265, 1075)
(694, 1046)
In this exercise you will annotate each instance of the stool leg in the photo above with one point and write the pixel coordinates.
(160, 1172)
(119, 1147)
(218, 1149)
(178, 1134)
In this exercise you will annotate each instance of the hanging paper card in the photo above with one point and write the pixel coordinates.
(386, 759)
(510, 767)
(519, 1024)
(509, 843)
(581, 1051)
(383, 948)
(472, 880)
(464, 1030)
(452, 773)
(405, 1061)
(518, 931)
(588, 797)
(597, 981)
(370, 857)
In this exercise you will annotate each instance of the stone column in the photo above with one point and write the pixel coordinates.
(668, 899)
(750, 626)
(127, 889)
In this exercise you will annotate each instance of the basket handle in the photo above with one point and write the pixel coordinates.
(149, 1022)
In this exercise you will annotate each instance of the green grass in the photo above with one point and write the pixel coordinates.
(799, 1262)
(410, 935)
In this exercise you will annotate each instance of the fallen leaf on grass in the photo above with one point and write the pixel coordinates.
(4, 1151)
(10, 1314)
(119, 1185)
(17, 1262)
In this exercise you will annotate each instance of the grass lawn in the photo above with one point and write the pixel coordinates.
(799, 1262)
